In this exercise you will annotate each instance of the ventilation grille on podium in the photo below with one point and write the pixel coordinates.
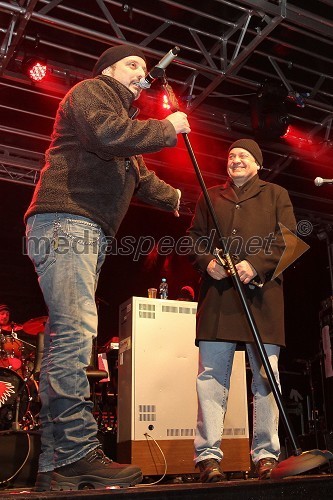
(147, 311)
(181, 309)
(237, 431)
(147, 413)
(180, 432)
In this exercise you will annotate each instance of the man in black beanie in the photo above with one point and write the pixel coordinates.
(249, 212)
(93, 168)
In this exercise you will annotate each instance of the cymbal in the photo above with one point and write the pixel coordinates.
(15, 327)
(35, 325)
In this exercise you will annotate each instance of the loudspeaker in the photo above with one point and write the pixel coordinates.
(19, 453)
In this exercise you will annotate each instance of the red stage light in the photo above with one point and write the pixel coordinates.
(37, 72)
(34, 68)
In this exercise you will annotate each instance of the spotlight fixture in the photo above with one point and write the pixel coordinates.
(35, 68)
(268, 111)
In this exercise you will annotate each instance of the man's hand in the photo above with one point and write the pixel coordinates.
(246, 271)
(180, 122)
(216, 271)
(176, 210)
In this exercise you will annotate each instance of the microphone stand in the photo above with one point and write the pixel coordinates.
(300, 462)
(17, 403)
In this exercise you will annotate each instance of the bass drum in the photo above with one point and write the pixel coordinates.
(12, 386)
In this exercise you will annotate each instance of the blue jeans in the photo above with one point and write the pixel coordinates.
(67, 252)
(213, 382)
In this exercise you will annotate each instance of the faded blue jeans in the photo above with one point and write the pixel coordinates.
(67, 252)
(213, 382)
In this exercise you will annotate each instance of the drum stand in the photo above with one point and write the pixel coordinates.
(17, 404)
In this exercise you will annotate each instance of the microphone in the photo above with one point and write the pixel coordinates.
(158, 70)
(319, 181)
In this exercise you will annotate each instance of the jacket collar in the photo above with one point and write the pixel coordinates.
(125, 95)
(250, 189)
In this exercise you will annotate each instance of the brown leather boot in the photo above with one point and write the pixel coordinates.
(210, 471)
(265, 466)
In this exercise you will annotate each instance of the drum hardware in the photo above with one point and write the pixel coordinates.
(19, 402)
(313, 414)
(19, 362)
(28, 359)
(12, 327)
(10, 347)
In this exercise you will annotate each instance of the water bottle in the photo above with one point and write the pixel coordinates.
(163, 290)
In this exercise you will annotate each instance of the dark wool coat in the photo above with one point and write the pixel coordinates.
(94, 164)
(250, 222)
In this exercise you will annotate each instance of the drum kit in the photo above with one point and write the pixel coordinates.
(19, 370)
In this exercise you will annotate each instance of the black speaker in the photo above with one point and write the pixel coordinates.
(19, 453)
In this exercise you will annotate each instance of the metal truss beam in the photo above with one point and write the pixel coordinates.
(15, 32)
(295, 15)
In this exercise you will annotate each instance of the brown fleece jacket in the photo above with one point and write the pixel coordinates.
(94, 164)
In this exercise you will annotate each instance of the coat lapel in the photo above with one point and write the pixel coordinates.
(252, 190)
(228, 192)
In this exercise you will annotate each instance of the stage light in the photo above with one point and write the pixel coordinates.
(268, 111)
(287, 133)
(165, 104)
(35, 68)
(300, 139)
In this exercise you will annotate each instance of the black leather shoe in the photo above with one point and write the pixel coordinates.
(210, 471)
(265, 466)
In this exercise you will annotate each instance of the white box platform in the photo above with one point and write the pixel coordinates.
(158, 363)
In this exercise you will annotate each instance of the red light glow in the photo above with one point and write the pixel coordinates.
(298, 139)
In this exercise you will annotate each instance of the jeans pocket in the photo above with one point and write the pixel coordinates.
(83, 236)
(40, 246)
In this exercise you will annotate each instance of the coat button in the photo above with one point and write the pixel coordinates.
(237, 206)
(234, 231)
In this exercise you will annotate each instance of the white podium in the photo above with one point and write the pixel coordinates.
(157, 367)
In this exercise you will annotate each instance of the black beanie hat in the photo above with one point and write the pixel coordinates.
(114, 54)
(4, 307)
(251, 146)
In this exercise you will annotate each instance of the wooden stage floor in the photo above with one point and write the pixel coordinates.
(309, 487)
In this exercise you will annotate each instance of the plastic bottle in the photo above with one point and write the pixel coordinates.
(163, 290)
